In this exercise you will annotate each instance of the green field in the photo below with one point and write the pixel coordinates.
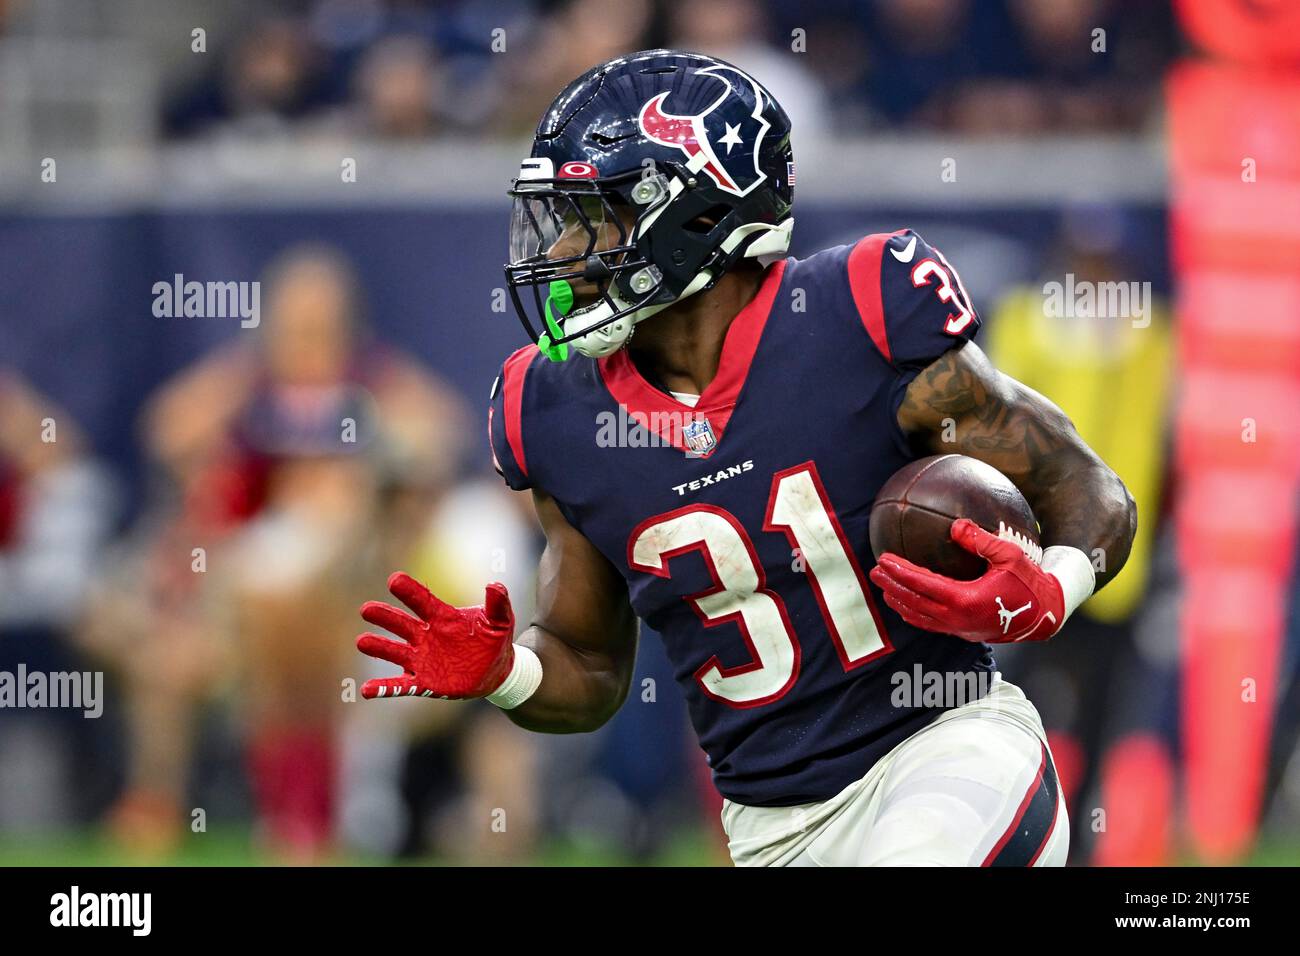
(235, 847)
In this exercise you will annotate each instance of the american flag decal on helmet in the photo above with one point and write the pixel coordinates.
(789, 172)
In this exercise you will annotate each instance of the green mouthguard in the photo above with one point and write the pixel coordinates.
(561, 296)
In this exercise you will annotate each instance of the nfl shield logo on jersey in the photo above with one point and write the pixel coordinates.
(697, 436)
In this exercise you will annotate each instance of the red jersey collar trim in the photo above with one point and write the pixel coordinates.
(659, 409)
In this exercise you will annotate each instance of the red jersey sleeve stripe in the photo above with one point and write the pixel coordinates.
(512, 386)
(864, 282)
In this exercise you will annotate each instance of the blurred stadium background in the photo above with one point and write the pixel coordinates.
(196, 533)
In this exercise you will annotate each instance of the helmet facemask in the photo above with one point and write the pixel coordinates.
(616, 271)
(601, 284)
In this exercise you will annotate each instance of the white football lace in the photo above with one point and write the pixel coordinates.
(1032, 551)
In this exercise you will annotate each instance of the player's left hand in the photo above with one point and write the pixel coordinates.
(1014, 600)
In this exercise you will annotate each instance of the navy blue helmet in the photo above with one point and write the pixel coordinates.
(649, 177)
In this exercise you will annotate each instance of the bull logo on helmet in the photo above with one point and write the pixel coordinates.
(722, 141)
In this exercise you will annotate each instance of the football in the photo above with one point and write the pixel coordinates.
(916, 507)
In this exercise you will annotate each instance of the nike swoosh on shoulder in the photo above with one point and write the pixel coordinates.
(908, 251)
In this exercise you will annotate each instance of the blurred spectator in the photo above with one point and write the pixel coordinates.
(838, 54)
(401, 88)
(285, 453)
(400, 91)
(579, 35)
(57, 508)
(921, 50)
(737, 31)
(268, 79)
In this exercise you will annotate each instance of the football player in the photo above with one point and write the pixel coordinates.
(703, 424)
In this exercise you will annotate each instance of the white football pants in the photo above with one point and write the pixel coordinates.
(975, 787)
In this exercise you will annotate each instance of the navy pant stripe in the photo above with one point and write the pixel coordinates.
(1035, 819)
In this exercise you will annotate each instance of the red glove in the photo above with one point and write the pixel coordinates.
(449, 652)
(1014, 600)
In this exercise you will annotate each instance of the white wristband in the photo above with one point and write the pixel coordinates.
(523, 680)
(1074, 571)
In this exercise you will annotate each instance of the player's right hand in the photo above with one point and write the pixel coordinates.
(1014, 600)
(448, 652)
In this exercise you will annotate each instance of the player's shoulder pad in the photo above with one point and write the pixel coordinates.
(506, 418)
(909, 297)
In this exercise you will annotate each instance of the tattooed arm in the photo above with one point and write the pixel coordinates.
(1077, 499)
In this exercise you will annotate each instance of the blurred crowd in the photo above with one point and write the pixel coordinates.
(292, 471)
(413, 69)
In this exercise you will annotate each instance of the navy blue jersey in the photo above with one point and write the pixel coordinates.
(740, 524)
